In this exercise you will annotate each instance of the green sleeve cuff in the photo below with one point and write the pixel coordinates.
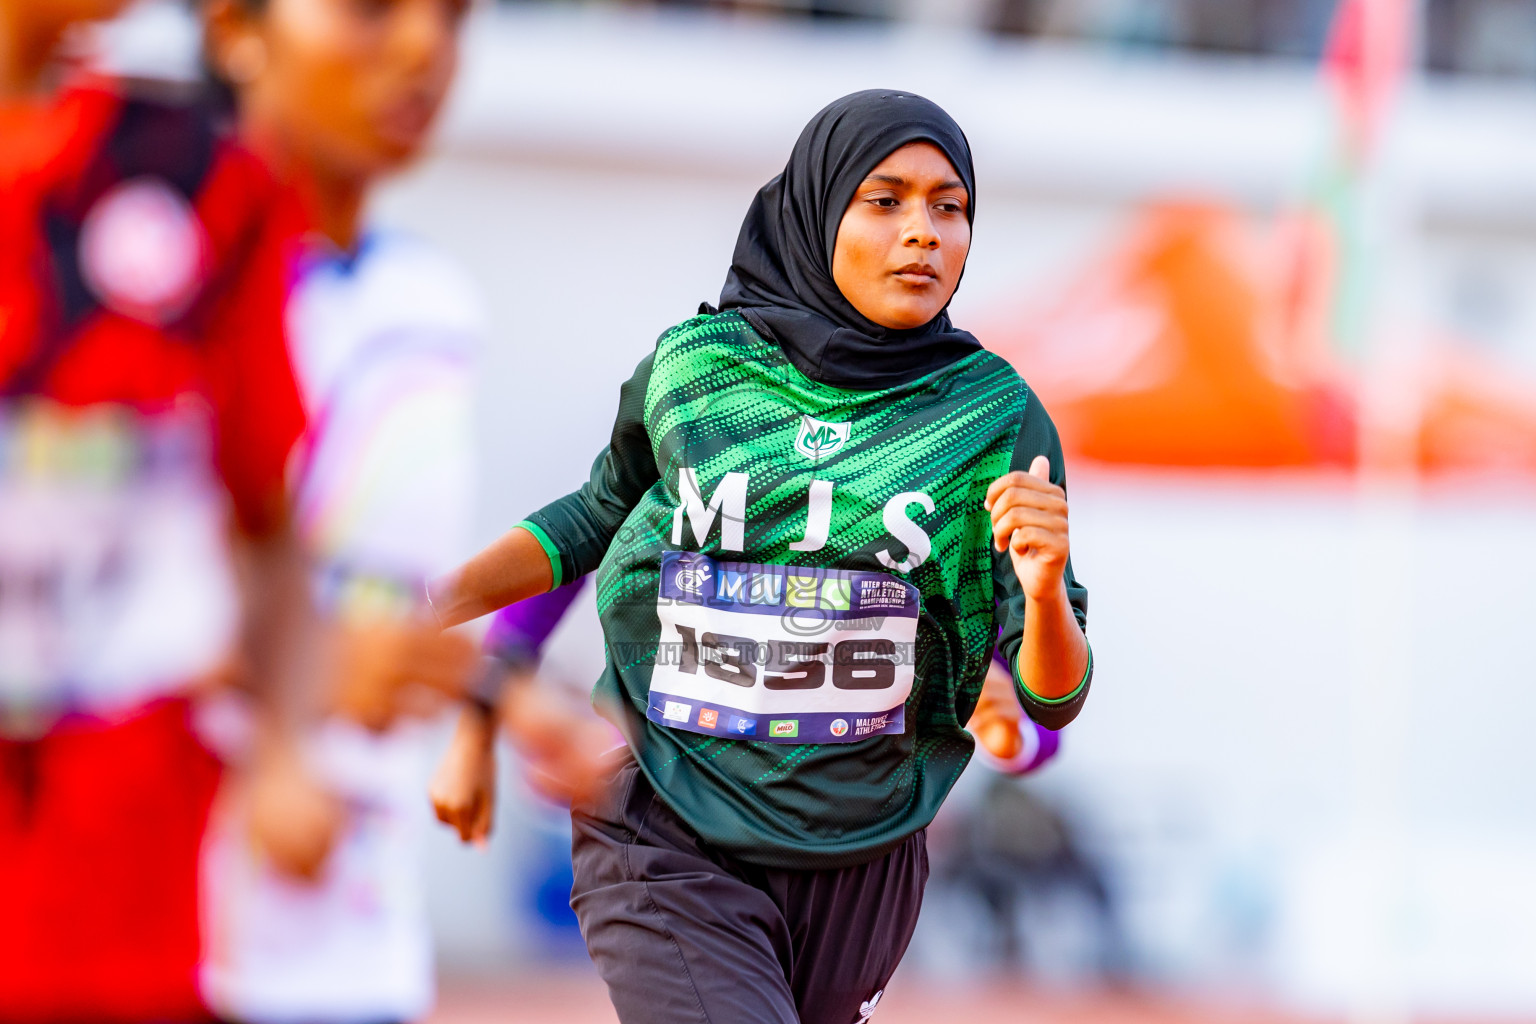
(549, 549)
(1087, 675)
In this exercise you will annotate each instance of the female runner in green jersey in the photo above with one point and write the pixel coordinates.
(821, 507)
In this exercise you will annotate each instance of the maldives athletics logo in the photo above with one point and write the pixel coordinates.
(692, 578)
(819, 439)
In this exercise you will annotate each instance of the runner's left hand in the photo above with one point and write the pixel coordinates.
(1029, 521)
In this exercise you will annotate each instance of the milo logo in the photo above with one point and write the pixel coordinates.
(784, 728)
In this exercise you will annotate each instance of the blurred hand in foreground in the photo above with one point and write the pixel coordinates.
(293, 821)
(564, 745)
(388, 669)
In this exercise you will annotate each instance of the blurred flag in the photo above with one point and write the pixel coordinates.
(1365, 59)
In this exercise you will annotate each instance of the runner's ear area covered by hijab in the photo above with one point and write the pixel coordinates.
(781, 272)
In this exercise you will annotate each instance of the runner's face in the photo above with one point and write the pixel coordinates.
(903, 240)
(353, 85)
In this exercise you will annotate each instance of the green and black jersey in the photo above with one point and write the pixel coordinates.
(798, 589)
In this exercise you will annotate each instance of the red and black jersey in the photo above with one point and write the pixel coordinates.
(145, 267)
(145, 387)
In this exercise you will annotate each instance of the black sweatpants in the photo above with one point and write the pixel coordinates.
(685, 934)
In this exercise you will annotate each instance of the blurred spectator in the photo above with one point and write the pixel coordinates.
(384, 333)
(1124, 21)
(1013, 849)
(825, 9)
(1290, 27)
(800, 8)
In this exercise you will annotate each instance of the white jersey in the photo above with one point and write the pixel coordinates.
(384, 343)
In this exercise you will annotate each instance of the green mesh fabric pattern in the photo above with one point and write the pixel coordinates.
(722, 400)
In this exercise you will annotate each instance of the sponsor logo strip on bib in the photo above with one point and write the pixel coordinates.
(781, 653)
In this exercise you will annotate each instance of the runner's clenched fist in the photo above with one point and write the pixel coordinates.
(1029, 520)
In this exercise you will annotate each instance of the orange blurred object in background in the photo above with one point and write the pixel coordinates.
(1193, 344)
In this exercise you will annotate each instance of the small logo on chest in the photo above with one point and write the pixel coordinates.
(818, 439)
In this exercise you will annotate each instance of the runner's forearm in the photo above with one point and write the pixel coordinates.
(1043, 642)
(513, 568)
(1053, 656)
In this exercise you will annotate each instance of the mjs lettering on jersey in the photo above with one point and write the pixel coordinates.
(821, 655)
(728, 504)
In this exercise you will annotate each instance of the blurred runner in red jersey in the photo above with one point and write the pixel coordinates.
(147, 410)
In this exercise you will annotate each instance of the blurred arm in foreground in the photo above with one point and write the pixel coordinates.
(292, 819)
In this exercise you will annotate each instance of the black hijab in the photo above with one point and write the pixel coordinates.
(781, 272)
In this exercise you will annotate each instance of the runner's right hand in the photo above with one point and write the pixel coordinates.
(463, 788)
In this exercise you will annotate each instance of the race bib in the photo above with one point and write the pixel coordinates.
(782, 653)
(114, 578)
